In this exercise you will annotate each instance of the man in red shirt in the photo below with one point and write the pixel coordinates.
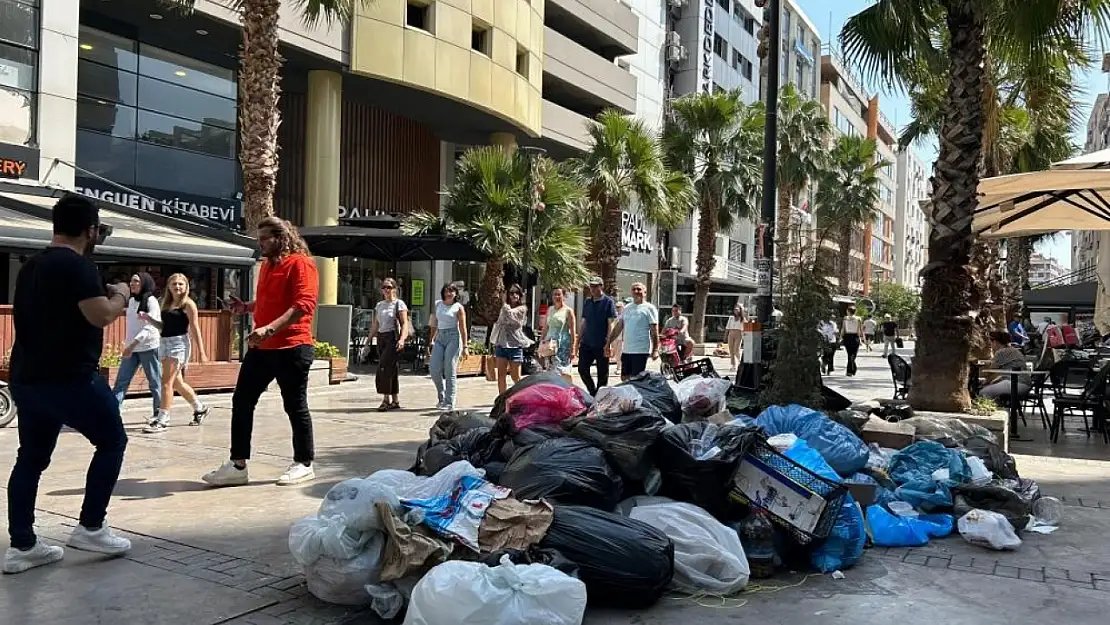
(281, 348)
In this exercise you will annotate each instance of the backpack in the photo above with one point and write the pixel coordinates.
(1071, 337)
(1053, 338)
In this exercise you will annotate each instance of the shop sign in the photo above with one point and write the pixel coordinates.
(358, 214)
(707, 48)
(478, 334)
(222, 211)
(763, 276)
(18, 161)
(417, 293)
(635, 235)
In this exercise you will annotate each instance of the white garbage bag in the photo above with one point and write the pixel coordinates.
(708, 556)
(344, 582)
(354, 501)
(314, 537)
(988, 529)
(617, 400)
(471, 593)
(387, 599)
(442, 483)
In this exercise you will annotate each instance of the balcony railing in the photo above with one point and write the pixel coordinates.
(740, 272)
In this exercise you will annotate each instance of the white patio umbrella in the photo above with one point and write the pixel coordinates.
(1043, 201)
(1094, 160)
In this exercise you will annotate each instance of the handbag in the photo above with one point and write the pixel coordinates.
(547, 349)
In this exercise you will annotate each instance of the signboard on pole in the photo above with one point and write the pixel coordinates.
(763, 277)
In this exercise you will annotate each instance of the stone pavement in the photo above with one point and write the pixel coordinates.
(221, 556)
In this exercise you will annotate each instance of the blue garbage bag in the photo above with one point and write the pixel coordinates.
(811, 459)
(844, 546)
(842, 449)
(861, 478)
(935, 525)
(920, 460)
(888, 530)
(927, 494)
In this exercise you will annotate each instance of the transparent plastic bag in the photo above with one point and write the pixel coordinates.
(343, 582)
(545, 404)
(354, 501)
(471, 593)
(440, 484)
(988, 529)
(700, 396)
(387, 599)
(617, 400)
(314, 537)
(708, 556)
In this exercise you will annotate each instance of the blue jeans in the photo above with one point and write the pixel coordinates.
(152, 369)
(86, 405)
(444, 362)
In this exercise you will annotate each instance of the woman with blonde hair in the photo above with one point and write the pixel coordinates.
(179, 329)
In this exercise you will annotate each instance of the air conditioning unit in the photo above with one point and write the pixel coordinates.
(672, 39)
(676, 54)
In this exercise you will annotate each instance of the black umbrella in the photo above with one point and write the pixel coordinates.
(386, 244)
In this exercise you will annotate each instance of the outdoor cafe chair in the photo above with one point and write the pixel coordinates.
(1088, 403)
(900, 372)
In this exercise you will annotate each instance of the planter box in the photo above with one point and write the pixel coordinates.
(338, 372)
(475, 365)
(208, 376)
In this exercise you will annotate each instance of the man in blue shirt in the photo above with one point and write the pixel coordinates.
(1018, 335)
(598, 312)
(640, 325)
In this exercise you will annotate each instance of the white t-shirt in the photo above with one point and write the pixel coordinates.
(447, 317)
(387, 312)
(869, 326)
(638, 319)
(734, 323)
(851, 325)
(146, 335)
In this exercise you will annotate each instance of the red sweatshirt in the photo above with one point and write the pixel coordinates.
(292, 282)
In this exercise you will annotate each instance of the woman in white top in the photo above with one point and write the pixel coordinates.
(143, 338)
(390, 328)
(849, 335)
(448, 345)
(734, 331)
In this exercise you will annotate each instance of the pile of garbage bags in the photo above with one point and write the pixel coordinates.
(555, 500)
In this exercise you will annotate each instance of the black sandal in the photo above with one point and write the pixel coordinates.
(395, 406)
(384, 406)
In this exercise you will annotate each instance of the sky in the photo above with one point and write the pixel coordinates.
(828, 17)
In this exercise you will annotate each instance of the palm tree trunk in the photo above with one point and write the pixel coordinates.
(783, 248)
(1014, 292)
(948, 295)
(706, 261)
(609, 246)
(844, 266)
(259, 90)
(491, 293)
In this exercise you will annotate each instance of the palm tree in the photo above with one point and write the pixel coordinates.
(488, 205)
(803, 139)
(623, 169)
(716, 140)
(847, 196)
(950, 38)
(260, 88)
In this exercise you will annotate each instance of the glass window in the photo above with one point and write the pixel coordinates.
(17, 67)
(105, 83)
(164, 97)
(19, 23)
(187, 72)
(107, 49)
(107, 117)
(17, 115)
(747, 68)
(161, 167)
(186, 134)
(720, 48)
(110, 157)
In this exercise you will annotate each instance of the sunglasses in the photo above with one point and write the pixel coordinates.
(387, 287)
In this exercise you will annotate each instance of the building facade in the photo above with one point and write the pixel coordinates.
(1085, 243)
(853, 111)
(911, 229)
(139, 107)
(1044, 269)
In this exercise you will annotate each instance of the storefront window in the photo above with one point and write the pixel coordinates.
(19, 41)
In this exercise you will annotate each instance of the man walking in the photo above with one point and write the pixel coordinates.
(598, 312)
(890, 335)
(869, 327)
(61, 308)
(640, 324)
(281, 348)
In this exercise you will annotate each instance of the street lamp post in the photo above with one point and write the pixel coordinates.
(532, 155)
(765, 265)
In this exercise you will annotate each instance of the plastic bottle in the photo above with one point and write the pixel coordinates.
(757, 535)
(1048, 510)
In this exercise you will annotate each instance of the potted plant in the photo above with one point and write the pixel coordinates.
(110, 357)
(337, 364)
(475, 364)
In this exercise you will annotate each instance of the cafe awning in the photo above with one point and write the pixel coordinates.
(137, 235)
(1042, 202)
(386, 244)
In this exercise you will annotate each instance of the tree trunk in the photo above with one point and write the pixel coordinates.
(991, 317)
(844, 264)
(1014, 279)
(948, 295)
(783, 245)
(259, 118)
(609, 246)
(706, 261)
(491, 293)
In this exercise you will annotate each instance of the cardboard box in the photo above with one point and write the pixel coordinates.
(889, 435)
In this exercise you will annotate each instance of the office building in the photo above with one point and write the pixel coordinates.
(911, 229)
(1086, 243)
(103, 95)
(1044, 269)
(854, 111)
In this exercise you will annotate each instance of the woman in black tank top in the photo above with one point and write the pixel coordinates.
(179, 332)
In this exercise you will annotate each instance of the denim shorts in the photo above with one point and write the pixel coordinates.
(512, 354)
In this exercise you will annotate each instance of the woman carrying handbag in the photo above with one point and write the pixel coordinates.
(390, 327)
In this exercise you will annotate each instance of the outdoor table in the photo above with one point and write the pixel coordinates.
(1015, 401)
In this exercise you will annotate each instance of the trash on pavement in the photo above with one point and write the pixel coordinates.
(757, 535)
(658, 394)
(1048, 511)
(708, 556)
(545, 404)
(886, 434)
(889, 530)
(354, 501)
(996, 461)
(616, 400)
(315, 537)
(623, 562)
(701, 397)
(842, 449)
(697, 461)
(626, 438)
(563, 470)
(409, 550)
(513, 524)
(948, 431)
(844, 546)
(534, 555)
(988, 529)
(344, 581)
(996, 496)
(458, 515)
(478, 446)
(471, 593)
(388, 599)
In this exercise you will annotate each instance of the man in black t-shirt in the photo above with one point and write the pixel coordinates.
(890, 335)
(61, 308)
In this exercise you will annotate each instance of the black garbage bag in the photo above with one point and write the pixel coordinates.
(530, 436)
(626, 439)
(447, 426)
(997, 461)
(1006, 497)
(564, 470)
(623, 562)
(705, 483)
(854, 420)
(658, 394)
(534, 555)
(479, 447)
(833, 401)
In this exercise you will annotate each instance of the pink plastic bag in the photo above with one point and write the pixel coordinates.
(545, 404)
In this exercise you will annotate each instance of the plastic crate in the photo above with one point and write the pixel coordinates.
(797, 499)
(703, 367)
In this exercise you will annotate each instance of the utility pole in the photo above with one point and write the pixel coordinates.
(770, 46)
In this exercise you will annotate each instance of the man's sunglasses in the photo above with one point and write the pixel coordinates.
(103, 231)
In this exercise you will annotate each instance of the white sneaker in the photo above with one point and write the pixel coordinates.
(297, 473)
(157, 427)
(17, 561)
(227, 475)
(103, 540)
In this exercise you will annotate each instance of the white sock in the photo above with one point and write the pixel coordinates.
(163, 414)
(198, 405)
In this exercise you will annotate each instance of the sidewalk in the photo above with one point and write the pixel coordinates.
(205, 556)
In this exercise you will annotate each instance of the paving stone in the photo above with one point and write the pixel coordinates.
(937, 562)
(1080, 576)
(959, 560)
(256, 581)
(259, 618)
(1054, 573)
(212, 576)
(1006, 571)
(967, 569)
(1034, 575)
(1102, 585)
(288, 583)
(286, 607)
(916, 558)
(229, 565)
(272, 593)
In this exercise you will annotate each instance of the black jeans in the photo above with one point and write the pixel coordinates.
(86, 405)
(851, 345)
(260, 367)
(587, 356)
